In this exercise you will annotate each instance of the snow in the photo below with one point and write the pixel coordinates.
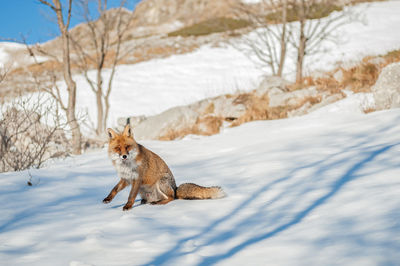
(5, 47)
(353, 103)
(374, 36)
(14, 55)
(312, 190)
(151, 87)
(251, 1)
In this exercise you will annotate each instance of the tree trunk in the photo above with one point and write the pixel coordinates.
(302, 44)
(71, 85)
(283, 39)
(99, 102)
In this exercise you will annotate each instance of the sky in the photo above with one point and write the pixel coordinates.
(34, 21)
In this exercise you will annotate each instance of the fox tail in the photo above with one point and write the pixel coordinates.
(192, 191)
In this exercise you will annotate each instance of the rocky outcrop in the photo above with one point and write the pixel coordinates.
(271, 100)
(203, 117)
(386, 90)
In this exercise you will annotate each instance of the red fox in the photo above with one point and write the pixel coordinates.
(148, 174)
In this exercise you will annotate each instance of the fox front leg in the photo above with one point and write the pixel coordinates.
(132, 195)
(120, 186)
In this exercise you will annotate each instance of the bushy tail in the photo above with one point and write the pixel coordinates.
(192, 191)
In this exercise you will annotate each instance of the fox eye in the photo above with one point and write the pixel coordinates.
(128, 147)
(117, 149)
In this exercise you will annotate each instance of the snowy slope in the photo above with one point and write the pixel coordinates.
(321, 189)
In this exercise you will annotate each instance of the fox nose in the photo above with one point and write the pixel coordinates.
(124, 156)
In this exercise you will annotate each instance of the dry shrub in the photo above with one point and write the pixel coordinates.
(172, 134)
(369, 110)
(257, 108)
(392, 56)
(361, 77)
(208, 125)
(209, 109)
(310, 99)
(329, 84)
(358, 78)
(31, 132)
(205, 125)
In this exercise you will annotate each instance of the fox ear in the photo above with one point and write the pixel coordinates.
(127, 131)
(111, 133)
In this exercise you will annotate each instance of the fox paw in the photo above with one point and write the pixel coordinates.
(127, 207)
(143, 201)
(106, 200)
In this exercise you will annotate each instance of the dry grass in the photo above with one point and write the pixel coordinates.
(358, 78)
(205, 126)
(209, 26)
(316, 11)
(369, 110)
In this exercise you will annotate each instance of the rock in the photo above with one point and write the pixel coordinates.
(280, 98)
(205, 117)
(300, 111)
(133, 121)
(227, 107)
(386, 90)
(338, 75)
(269, 83)
(176, 118)
(325, 101)
(377, 60)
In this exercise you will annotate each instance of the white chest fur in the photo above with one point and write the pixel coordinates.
(126, 169)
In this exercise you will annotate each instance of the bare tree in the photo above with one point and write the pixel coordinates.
(268, 43)
(69, 108)
(99, 47)
(302, 24)
(317, 23)
(31, 132)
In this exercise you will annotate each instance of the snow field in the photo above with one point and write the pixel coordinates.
(307, 190)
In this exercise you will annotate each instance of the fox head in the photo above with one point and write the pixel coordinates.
(122, 148)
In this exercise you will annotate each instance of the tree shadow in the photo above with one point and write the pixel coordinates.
(336, 186)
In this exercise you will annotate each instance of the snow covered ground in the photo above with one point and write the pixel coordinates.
(321, 189)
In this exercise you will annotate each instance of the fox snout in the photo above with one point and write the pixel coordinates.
(124, 157)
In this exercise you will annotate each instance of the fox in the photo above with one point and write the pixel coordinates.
(148, 174)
